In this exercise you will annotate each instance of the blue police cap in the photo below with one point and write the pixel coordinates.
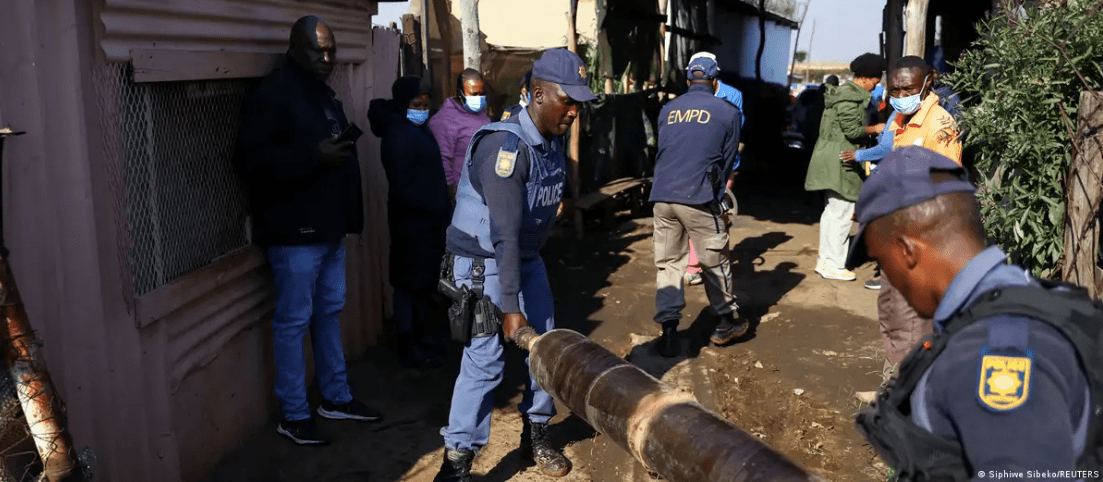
(566, 69)
(903, 179)
(707, 66)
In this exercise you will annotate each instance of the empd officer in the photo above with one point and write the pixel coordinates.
(698, 143)
(509, 191)
(1009, 383)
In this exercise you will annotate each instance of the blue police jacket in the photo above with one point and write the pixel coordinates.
(698, 134)
(1048, 428)
(507, 198)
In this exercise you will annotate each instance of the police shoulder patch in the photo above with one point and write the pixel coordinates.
(507, 160)
(1004, 381)
(506, 115)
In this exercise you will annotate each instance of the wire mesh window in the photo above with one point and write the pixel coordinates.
(168, 147)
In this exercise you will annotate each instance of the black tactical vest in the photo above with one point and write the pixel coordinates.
(917, 455)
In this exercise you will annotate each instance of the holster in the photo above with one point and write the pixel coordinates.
(472, 315)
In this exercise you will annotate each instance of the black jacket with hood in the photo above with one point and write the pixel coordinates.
(418, 209)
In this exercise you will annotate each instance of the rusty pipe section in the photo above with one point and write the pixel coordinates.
(666, 430)
(45, 415)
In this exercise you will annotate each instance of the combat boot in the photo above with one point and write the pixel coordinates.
(456, 466)
(536, 447)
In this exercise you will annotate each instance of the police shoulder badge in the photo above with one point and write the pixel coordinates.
(507, 160)
(505, 115)
(1004, 381)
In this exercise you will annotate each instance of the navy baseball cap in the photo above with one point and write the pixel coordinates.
(903, 179)
(566, 69)
(704, 64)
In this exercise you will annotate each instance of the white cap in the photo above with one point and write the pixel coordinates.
(708, 55)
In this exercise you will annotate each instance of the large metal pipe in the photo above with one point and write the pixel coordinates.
(666, 430)
(45, 416)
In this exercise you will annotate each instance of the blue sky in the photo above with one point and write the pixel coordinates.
(844, 28)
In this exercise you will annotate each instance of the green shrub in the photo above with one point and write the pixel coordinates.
(1021, 87)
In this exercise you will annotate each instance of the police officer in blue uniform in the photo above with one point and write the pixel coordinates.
(698, 142)
(524, 100)
(1009, 383)
(506, 203)
(729, 93)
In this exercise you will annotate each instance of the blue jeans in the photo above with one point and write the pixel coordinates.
(310, 293)
(484, 359)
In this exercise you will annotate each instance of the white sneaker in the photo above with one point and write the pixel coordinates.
(836, 274)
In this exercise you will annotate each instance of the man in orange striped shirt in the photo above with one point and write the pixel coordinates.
(919, 121)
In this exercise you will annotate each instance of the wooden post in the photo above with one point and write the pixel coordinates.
(796, 42)
(894, 30)
(472, 51)
(425, 49)
(915, 42)
(1083, 193)
(761, 42)
(576, 130)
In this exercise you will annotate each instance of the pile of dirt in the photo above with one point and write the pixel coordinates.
(811, 432)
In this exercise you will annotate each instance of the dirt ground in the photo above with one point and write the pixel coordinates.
(789, 382)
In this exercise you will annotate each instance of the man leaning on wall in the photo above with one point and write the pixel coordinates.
(305, 197)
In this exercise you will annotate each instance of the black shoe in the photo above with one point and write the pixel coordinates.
(302, 432)
(729, 329)
(536, 447)
(412, 355)
(668, 341)
(354, 410)
(456, 466)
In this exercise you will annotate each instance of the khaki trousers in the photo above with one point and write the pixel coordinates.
(675, 226)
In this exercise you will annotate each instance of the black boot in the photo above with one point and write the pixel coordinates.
(456, 466)
(668, 342)
(536, 446)
(729, 328)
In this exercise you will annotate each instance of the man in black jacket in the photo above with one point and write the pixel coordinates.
(305, 195)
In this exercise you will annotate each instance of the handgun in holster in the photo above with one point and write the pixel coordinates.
(472, 315)
(461, 312)
(716, 181)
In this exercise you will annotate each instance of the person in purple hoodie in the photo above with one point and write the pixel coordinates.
(455, 123)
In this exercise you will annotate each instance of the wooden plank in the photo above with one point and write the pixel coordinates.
(165, 300)
(176, 65)
(1083, 193)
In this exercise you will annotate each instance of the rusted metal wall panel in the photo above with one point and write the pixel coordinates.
(259, 26)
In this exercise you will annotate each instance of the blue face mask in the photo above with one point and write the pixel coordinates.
(910, 104)
(418, 117)
(475, 103)
(906, 105)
